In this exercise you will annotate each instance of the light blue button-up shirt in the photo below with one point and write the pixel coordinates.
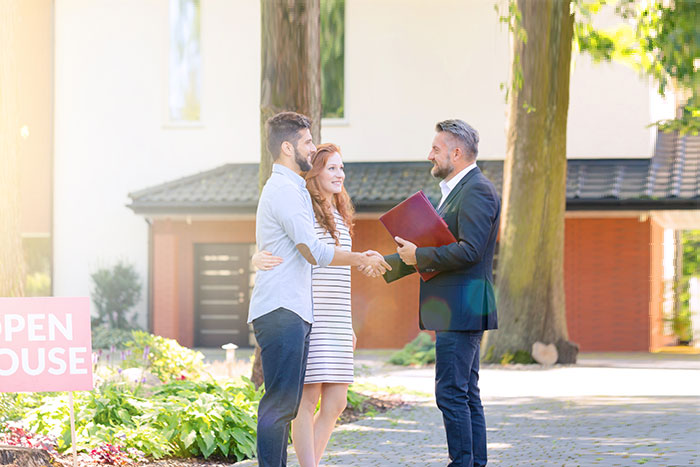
(284, 220)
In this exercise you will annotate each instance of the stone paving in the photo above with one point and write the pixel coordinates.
(609, 410)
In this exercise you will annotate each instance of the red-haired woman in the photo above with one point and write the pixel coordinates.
(329, 369)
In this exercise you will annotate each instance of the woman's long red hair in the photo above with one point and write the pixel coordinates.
(323, 209)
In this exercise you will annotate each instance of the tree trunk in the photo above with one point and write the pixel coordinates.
(291, 66)
(11, 256)
(24, 457)
(290, 78)
(530, 272)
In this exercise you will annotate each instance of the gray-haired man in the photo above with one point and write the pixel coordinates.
(459, 302)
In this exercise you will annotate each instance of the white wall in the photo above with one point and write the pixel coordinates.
(609, 110)
(111, 136)
(411, 63)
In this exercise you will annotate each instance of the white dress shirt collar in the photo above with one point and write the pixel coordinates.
(447, 186)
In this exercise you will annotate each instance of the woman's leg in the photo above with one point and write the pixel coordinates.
(334, 398)
(303, 426)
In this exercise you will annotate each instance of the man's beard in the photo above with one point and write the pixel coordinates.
(441, 172)
(302, 162)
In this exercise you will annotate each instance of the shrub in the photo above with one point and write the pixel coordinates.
(103, 337)
(116, 455)
(163, 357)
(115, 293)
(14, 435)
(184, 418)
(205, 419)
(689, 256)
(356, 400)
(14, 404)
(420, 351)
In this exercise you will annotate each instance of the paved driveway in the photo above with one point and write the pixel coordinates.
(609, 410)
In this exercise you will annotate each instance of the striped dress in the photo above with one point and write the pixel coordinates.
(330, 349)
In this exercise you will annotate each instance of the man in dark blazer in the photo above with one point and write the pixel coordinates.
(459, 302)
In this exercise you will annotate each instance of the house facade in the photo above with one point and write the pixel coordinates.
(145, 92)
(203, 234)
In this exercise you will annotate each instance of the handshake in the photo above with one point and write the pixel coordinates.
(372, 264)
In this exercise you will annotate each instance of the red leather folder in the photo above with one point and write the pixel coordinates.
(416, 220)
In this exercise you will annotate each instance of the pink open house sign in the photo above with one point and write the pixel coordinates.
(45, 344)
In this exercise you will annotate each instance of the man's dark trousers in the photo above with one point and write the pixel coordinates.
(284, 342)
(457, 396)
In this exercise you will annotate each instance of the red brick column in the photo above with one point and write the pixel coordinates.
(165, 285)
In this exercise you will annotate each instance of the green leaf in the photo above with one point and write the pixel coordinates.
(239, 435)
(223, 447)
(188, 437)
(209, 439)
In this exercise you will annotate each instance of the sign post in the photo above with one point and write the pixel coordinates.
(45, 345)
(72, 430)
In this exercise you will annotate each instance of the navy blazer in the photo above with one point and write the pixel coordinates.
(461, 297)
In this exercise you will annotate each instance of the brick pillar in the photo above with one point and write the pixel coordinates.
(165, 303)
(657, 337)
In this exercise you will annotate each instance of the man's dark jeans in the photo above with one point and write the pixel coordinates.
(457, 395)
(284, 342)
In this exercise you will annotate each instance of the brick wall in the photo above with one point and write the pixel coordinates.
(173, 270)
(612, 279)
(384, 315)
(607, 267)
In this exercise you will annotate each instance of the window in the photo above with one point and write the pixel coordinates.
(184, 97)
(333, 58)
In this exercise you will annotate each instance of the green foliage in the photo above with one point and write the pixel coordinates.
(682, 325)
(356, 400)
(332, 58)
(204, 419)
(658, 38)
(513, 18)
(690, 251)
(13, 405)
(687, 123)
(420, 351)
(37, 284)
(520, 356)
(115, 292)
(163, 357)
(690, 240)
(103, 337)
(182, 418)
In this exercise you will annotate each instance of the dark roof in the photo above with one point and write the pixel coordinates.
(231, 188)
(669, 180)
(675, 168)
